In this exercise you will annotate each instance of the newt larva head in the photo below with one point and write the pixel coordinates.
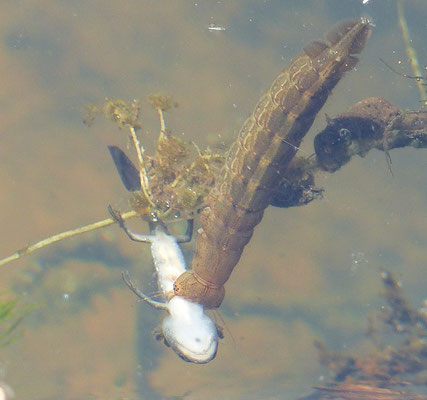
(190, 332)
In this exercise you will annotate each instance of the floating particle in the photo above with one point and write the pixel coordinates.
(216, 28)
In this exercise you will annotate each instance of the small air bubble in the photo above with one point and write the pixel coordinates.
(154, 217)
(358, 259)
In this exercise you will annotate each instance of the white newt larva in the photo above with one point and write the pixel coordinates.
(187, 329)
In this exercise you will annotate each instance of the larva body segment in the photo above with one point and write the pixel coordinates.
(266, 144)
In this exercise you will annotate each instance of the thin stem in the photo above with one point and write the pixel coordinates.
(145, 185)
(162, 122)
(64, 235)
(410, 51)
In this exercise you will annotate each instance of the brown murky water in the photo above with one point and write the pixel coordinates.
(307, 273)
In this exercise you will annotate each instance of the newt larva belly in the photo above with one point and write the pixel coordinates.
(267, 142)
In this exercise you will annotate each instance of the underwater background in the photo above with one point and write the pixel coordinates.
(308, 273)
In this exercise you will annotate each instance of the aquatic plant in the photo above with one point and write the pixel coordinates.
(11, 315)
(399, 357)
(174, 182)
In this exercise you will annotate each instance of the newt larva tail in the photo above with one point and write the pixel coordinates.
(266, 144)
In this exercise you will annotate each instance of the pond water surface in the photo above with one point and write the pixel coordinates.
(308, 273)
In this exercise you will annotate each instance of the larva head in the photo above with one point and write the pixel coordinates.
(188, 286)
(190, 332)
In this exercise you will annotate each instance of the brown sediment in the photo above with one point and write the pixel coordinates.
(266, 144)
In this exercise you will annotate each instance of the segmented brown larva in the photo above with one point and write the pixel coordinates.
(266, 144)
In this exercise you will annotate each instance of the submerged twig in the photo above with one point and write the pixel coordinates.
(63, 235)
(372, 123)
